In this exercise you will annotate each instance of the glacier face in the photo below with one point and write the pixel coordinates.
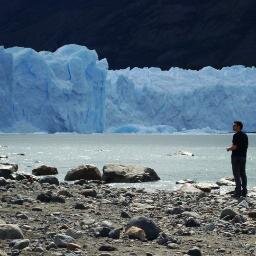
(70, 90)
(151, 100)
(63, 91)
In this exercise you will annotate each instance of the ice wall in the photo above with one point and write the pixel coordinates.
(70, 90)
(63, 91)
(151, 100)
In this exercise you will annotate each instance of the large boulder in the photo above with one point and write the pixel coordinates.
(6, 170)
(147, 225)
(128, 173)
(83, 172)
(44, 170)
(9, 231)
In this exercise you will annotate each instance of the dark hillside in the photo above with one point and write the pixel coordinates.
(164, 33)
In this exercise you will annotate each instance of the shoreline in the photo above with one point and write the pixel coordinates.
(45, 211)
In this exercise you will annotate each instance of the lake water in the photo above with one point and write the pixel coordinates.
(65, 151)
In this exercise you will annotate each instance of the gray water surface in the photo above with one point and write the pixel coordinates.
(65, 151)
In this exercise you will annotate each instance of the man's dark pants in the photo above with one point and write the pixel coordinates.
(238, 167)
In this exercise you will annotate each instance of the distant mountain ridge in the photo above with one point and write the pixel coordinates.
(161, 33)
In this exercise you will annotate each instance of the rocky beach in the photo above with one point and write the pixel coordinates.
(40, 215)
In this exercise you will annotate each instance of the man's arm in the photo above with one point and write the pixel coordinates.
(232, 148)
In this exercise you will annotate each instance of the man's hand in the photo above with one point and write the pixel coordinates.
(231, 148)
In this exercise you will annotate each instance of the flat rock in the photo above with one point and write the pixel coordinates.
(83, 172)
(225, 182)
(206, 187)
(188, 188)
(128, 173)
(9, 231)
(44, 170)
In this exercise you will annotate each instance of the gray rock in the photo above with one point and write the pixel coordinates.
(65, 193)
(39, 249)
(181, 182)
(21, 244)
(210, 227)
(22, 216)
(150, 228)
(164, 239)
(206, 187)
(228, 214)
(191, 214)
(83, 172)
(172, 246)
(49, 180)
(195, 251)
(238, 219)
(6, 170)
(114, 233)
(3, 182)
(128, 173)
(89, 192)
(192, 222)
(44, 170)
(252, 214)
(80, 206)
(9, 231)
(175, 210)
(226, 182)
(50, 197)
(101, 231)
(62, 240)
(188, 188)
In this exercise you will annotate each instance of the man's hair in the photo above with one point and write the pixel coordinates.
(239, 123)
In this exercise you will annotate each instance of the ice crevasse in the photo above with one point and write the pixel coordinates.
(71, 90)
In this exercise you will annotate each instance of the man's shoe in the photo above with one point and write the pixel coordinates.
(244, 193)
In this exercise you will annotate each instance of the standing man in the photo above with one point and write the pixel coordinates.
(238, 158)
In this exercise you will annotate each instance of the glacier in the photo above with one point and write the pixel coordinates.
(71, 90)
(63, 91)
(177, 100)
